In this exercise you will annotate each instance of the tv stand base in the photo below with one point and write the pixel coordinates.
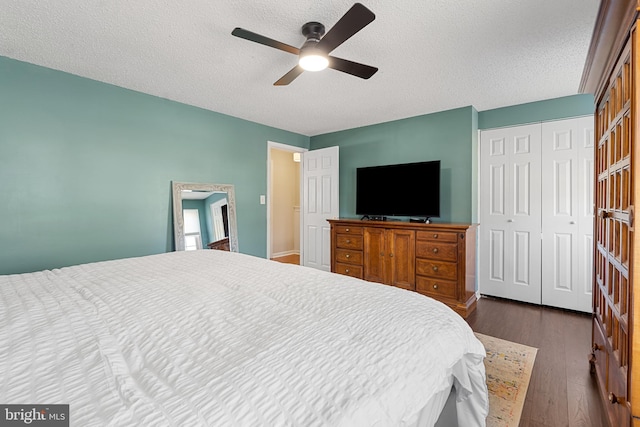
(373, 218)
(421, 220)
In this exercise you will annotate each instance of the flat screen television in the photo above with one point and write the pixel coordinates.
(409, 189)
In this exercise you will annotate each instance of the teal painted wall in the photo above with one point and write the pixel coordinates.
(86, 168)
(446, 136)
(551, 109)
(450, 136)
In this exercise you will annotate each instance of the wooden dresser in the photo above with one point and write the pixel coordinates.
(437, 260)
(221, 245)
(612, 73)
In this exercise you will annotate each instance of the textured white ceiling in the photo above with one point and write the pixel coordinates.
(433, 55)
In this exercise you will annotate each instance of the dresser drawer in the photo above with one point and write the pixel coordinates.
(435, 287)
(437, 269)
(437, 250)
(440, 236)
(349, 256)
(347, 229)
(347, 241)
(349, 270)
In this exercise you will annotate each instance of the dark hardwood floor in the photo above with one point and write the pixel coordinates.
(562, 392)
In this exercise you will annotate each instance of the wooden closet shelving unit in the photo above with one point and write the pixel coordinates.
(611, 73)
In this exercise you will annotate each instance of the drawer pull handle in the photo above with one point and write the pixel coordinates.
(435, 286)
(616, 399)
(592, 363)
(348, 256)
(346, 270)
(435, 250)
(348, 241)
(435, 268)
(435, 236)
(347, 230)
(391, 255)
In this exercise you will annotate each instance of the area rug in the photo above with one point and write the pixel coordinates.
(508, 366)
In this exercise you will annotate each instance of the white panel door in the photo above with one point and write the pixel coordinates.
(217, 219)
(567, 223)
(586, 206)
(320, 202)
(510, 213)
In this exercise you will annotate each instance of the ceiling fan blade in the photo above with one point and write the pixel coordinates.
(251, 36)
(354, 68)
(290, 76)
(351, 22)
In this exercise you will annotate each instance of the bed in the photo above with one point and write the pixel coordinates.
(214, 338)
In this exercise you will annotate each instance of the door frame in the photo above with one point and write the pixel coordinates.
(214, 209)
(292, 149)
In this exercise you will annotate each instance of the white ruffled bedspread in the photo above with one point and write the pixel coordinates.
(211, 338)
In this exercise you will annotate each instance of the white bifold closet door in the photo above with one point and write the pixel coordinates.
(536, 222)
(510, 213)
(567, 213)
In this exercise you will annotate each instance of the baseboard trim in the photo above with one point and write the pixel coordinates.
(285, 253)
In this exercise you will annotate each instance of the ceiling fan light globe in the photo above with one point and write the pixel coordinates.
(313, 62)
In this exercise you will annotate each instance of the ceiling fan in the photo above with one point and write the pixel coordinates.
(314, 53)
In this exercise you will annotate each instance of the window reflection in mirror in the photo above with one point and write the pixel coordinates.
(192, 230)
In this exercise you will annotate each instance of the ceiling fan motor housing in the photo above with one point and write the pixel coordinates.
(313, 31)
(312, 58)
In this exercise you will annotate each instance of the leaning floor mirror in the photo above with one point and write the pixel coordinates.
(204, 216)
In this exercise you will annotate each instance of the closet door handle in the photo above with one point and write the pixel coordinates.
(572, 222)
(509, 220)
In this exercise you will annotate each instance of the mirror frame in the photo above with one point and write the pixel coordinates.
(178, 219)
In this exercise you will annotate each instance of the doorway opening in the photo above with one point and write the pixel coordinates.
(284, 237)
